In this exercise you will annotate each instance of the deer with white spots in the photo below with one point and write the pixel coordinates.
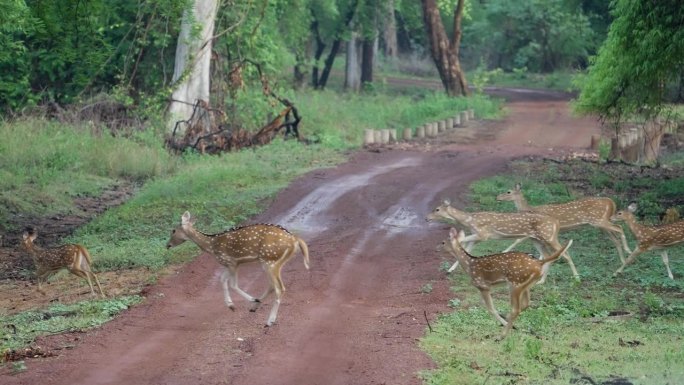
(72, 257)
(519, 270)
(270, 245)
(594, 212)
(650, 237)
(542, 230)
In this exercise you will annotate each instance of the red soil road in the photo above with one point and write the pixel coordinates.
(355, 318)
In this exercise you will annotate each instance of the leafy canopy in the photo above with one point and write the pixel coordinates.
(643, 52)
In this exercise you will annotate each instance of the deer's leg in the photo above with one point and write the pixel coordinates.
(85, 267)
(225, 277)
(233, 283)
(487, 298)
(525, 300)
(565, 255)
(616, 235)
(516, 293)
(84, 275)
(42, 278)
(97, 282)
(666, 261)
(272, 275)
(629, 260)
(453, 267)
(509, 248)
(542, 254)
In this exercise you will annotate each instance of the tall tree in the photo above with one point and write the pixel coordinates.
(445, 52)
(193, 61)
(642, 56)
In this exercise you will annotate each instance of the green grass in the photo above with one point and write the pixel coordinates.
(21, 329)
(44, 165)
(568, 334)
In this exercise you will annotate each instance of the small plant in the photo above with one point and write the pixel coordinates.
(426, 289)
(454, 303)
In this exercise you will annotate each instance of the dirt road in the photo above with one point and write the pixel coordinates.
(355, 317)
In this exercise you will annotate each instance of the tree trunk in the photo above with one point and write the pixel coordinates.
(368, 61)
(328, 64)
(352, 78)
(390, 32)
(318, 53)
(192, 68)
(444, 52)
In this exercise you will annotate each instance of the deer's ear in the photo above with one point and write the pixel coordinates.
(453, 233)
(447, 202)
(25, 235)
(518, 187)
(185, 219)
(632, 207)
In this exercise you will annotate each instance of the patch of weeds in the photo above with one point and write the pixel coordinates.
(426, 289)
(454, 303)
(22, 328)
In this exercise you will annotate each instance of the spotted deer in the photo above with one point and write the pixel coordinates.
(594, 212)
(542, 230)
(650, 237)
(270, 245)
(73, 257)
(519, 270)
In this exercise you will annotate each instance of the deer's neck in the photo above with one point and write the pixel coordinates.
(640, 231)
(462, 256)
(204, 241)
(458, 215)
(521, 203)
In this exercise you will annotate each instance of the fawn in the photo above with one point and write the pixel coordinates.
(519, 270)
(650, 237)
(271, 245)
(72, 257)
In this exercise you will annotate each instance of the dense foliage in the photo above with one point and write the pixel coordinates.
(642, 56)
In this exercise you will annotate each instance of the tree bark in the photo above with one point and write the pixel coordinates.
(444, 52)
(368, 60)
(390, 32)
(352, 78)
(193, 63)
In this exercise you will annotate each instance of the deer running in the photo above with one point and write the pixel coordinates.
(650, 237)
(594, 212)
(541, 229)
(270, 245)
(519, 270)
(72, 257)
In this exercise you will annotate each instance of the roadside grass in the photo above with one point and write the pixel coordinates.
(45, 164)
(21, 329)
(626, 329)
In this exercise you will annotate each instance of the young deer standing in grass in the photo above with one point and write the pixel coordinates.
(519, 270)
(271, 245)
(594, 212)
(650, 237)
(72, 257)
(542, 230)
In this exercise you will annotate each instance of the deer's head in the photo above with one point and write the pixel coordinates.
(510, 195)
(439, 213)
(624, 214)
(27, 239)
(179, 234)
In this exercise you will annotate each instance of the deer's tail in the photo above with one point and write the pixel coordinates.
(305, 251)
(557, 254)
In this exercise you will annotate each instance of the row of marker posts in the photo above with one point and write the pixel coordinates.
(428, 130)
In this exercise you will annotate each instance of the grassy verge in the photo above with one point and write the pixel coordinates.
(603, 329)
(21, 329)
